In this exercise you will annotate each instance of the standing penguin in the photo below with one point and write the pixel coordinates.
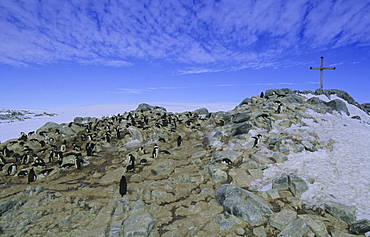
(155, 152)
(63, 147)
(179, 140)
(131, 167)
(256, 140)
(123, 186)
(31, 176)
(78, 162)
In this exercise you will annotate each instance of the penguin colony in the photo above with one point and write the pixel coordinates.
(36, 155)
(46, 152)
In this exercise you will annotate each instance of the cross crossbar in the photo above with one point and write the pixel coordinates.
(322, 72)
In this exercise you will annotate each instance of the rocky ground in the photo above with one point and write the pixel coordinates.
(190, 189)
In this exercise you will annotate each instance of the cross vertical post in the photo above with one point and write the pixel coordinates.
(322, 72)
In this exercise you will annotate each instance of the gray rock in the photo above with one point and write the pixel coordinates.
(243, 204)
(272, 92)
(292, 98)
(261, 159)
(366, 107)
(279, 157)
(52, 127)
(216, 137)
(229, 190)
(202, 111)
(244, 210)
(145, 107)
(6, 206)
(342, 212)
(297, 185)
(138, 224)
(241, 117)
(296, 228)
(224, 223)
(241, 129)
(360, 227)
(309, 146)
(340, 93)
(246, 101)
(290, 182)
(135, 134)
(259, 231)
(199, 154)
(281, 219)
(281, 183)
(230, 154)
(316, 226)
(217, 174)
(338, 105)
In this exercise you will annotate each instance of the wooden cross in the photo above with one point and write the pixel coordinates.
(322, 72)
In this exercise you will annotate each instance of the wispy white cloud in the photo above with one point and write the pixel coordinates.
(206, 36)
(140, 91)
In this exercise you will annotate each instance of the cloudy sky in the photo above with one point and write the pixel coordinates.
(70, 53)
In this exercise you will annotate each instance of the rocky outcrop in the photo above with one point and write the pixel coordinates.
(202, 186)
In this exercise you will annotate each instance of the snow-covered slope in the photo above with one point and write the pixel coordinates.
(341, 175)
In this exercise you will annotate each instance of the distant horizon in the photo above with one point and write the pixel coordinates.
(163, 103)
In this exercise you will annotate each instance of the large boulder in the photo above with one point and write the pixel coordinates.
(51, 127)
(243, 128)
(338, 105)
(291, 182)
(230, 154)
(360, 227)
(366, 107)
(145, 107)
(243, 204)
(7, 205)
(342, 212)
(202, 111)
(140, 222)
(241, 117)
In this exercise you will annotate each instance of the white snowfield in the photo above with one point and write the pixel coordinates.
(341, 175)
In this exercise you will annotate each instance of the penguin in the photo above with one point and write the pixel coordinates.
(22, 173)
(107, 137)
(131, 167)
(256, 140)
(165, 152)
(78, 163)
(226, 161)
(39, 162)
(123, 186)
(155, 152)
(262, 95)
(279, 108)
(47, 171)
(179, 141)
(142, 151)
(31, 176)
(23, 137)
(6, 152)
(12, 168)
(63, 147)
(67, 166)
(143, 161)
(2, 160)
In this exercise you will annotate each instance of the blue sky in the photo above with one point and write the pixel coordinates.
(70, 53)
